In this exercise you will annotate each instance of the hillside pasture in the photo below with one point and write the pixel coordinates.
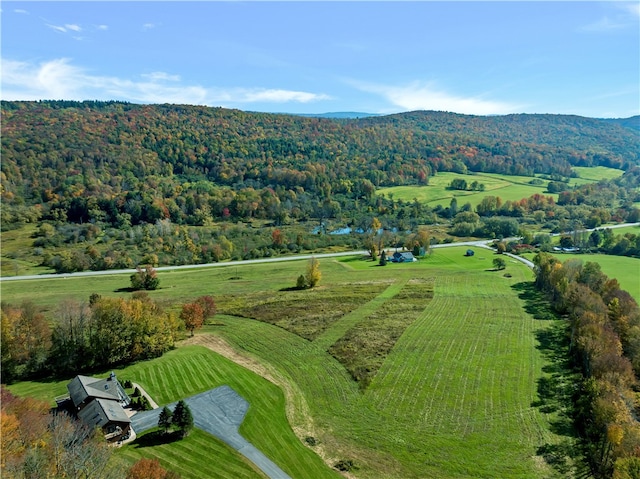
(438, 192)
(460, 381)
(507, 187)
(453, 397)
(594, 173)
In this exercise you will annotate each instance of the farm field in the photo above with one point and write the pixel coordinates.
(507, 187)
(625, 269)
(594, 173)
(455, 396)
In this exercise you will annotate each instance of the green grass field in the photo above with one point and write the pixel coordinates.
(595, 173)
(507, 187)
(626, 270)
(455, 396)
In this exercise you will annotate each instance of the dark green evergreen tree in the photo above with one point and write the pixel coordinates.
(182, 418)
(165, 419)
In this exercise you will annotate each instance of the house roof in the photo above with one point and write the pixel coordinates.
(100, 412)
(406, 254)
(83, 387)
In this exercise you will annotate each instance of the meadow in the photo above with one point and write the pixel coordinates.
(507, 187)
(452, 386)
(623, 268)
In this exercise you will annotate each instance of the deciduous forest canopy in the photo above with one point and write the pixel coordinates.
(138, 158)
(113, 175)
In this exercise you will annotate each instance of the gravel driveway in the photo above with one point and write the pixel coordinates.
(220, 412)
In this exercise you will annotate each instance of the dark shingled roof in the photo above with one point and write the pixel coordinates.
(100, 412)
(83, 387)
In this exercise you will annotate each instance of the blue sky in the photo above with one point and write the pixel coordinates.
(476, 57)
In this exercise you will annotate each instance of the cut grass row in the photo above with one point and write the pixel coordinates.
(196, 456)
(452, 399)
(364, 348)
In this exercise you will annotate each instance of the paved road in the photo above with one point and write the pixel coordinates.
(220, 412)
(187, 266)
(478, 243)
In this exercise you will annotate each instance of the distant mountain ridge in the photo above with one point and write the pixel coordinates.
(339, 114)
(631, 122)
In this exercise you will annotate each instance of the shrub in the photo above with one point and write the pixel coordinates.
(146, 279)
(345, 465)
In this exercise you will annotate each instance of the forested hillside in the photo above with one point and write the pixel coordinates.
(125, 182)
(57, 150)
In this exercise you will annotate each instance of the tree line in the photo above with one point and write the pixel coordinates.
(104, 333)
(605, 348)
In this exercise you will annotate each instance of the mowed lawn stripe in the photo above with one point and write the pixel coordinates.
(340, 327)
(464, 330)
(196, 456)
(314, 371)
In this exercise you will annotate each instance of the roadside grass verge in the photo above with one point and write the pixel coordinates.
(364, 348)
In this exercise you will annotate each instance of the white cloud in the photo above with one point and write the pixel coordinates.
(278, 96)
(422, 96)
(160, 76)
(60, 80)
(50, 80)
(73, 27)
(20, 10)
(102, 27)
(57, 28)
(148, 26)
(632, 7)
(624, 15)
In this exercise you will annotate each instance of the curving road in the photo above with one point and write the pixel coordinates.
(477, 243)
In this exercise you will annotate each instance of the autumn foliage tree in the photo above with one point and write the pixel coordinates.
(26, 338)
(195, 313)
(146, 278)
(313, 275)
(604, 324)
(36, 443)
(193, 316)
